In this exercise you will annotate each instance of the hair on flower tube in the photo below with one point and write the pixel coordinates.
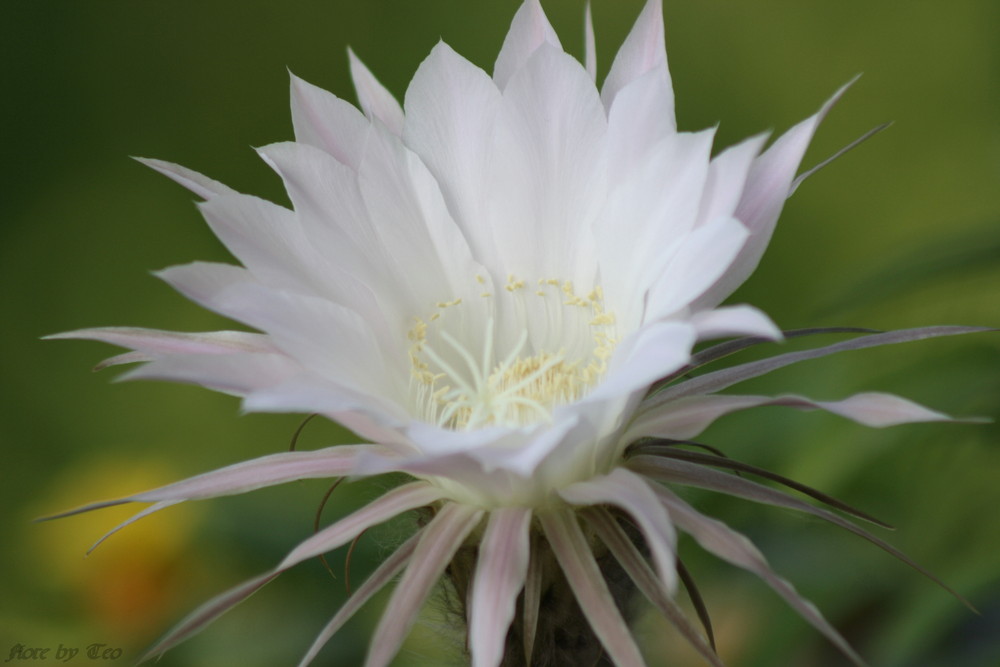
(507, 288)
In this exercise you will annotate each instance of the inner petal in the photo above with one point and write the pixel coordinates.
(536, 346)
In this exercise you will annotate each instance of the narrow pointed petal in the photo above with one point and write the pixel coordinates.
(685, 418)
(645, 579)
(573, 553)
(201, 617)
(135, 517)
(630, 492)
(203, 186)
(438, 543)
(150, 343)
(727, 177)
(767, 187)
(501, 569)
(691, 474)
(323, 120)
(529, 30)
(589, 43)
(399, 500)
(248, 475)
(644, 50)
(395, 502)
(375, 99)
(384, 573)
(719, 380)
(724, 542)
(532, 598)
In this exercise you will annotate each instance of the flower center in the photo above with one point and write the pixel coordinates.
(512, 359)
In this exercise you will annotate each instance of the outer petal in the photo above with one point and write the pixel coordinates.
(529, 30)
(376, 101)
(500, 572)
(203, 186)
(632, 493)
(767, 187)
(573, 553)
(440, 540)
(687, 417)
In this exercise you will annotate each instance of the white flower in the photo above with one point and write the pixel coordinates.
(485, 284)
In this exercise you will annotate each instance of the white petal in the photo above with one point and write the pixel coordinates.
(529, 30)
(644, 50)
(651, 207)
(589, 46)
(704, 256)
(375, 100)
(767, 187)
(203, 186)
(727, 176)
(741, 320)
(548, 170)
(450, 109)
(322, 119)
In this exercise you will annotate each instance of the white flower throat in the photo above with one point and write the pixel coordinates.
(511, 359)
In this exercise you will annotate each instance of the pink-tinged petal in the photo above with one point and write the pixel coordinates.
(741, 320)
(529, 30)
(375, 100)
(154, 342)
(451, 106)
(638, 570)
(234, 374)
(687, 417)
(201, 617)
(399, 500)
(724, 542)
(203, 186)
(878, 410)
(384, 573)
(675, 471)
(767, 187)
(323, 120)
(701, 259)
(727, 177)
(573, 553)
(632, 493)
(248, 476)
(643, 51)
(438, 543)
(135, 517)
(727, 377)
(501, 569)
(589, 43)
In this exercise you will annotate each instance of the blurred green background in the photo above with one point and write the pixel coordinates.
(904, 231)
